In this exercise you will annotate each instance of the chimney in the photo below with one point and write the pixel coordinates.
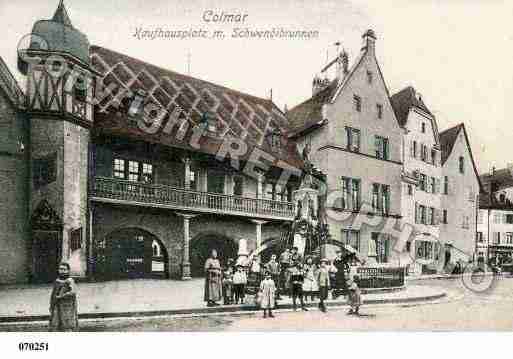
(342, 65)
(369, 41)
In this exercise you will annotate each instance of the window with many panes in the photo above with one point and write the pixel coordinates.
(444, 216)
(353, 139)
(375, 197)
(479, 237)
(352, 238)
(446, 185)
(355, 194)
(461, 164)
(134, 171)
(385, 199)
(119, 168)
(381, 145)
(432, 216)
(382, 243)
(422, 181)
(509, 238)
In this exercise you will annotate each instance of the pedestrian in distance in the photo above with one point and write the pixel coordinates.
(267, 295)
(296, 281)
(63, 302)
(323, 280)
(213, 280)
(355, 296)
(239, 284)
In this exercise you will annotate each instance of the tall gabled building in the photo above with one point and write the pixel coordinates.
(460, 192)
(354, 138)
(422, 173)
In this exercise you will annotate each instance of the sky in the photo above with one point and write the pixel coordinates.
(457, 53)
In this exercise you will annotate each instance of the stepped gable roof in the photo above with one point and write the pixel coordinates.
(237, 114)
(403, 101)
(309, 113)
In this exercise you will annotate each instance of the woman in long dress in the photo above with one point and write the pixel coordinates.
(63, 302)
(213, 280)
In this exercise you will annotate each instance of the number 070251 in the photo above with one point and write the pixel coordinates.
(42, 346)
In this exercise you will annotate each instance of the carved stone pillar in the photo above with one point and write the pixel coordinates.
(186, 264)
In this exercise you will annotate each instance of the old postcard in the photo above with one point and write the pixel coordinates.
(171, 166)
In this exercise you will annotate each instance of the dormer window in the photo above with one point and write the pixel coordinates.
(275, 139)
(209, 120)
(137, 104)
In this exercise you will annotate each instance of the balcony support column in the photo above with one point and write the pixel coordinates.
(260, 185)
(187, 179)
(259, 224)
(186, 264)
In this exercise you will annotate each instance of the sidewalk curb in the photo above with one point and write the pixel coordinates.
(211, 310)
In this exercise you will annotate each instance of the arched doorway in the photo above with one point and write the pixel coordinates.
(202, 246)
(131, 253)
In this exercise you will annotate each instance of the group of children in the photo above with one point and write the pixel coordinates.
(300, 280)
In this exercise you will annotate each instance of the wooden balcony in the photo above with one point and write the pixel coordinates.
(111, 190)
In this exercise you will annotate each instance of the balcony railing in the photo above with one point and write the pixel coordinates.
(115, 190)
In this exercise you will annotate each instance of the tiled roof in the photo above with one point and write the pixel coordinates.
(403, 101)
(447, 140)
(502, 178)
(309, 113)
(238, 114)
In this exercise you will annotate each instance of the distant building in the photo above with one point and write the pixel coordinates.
(495, 220)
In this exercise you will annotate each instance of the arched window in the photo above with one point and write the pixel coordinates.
(156, 249)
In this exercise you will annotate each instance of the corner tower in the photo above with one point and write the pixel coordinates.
(60, 111)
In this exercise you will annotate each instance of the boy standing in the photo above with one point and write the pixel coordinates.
(239, 282)
(323, 279)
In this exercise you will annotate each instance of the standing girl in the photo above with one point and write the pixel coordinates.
(267, 291)
(310, 286)
(63, 302)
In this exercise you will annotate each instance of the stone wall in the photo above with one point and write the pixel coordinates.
(14, 224)
(167, 226)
